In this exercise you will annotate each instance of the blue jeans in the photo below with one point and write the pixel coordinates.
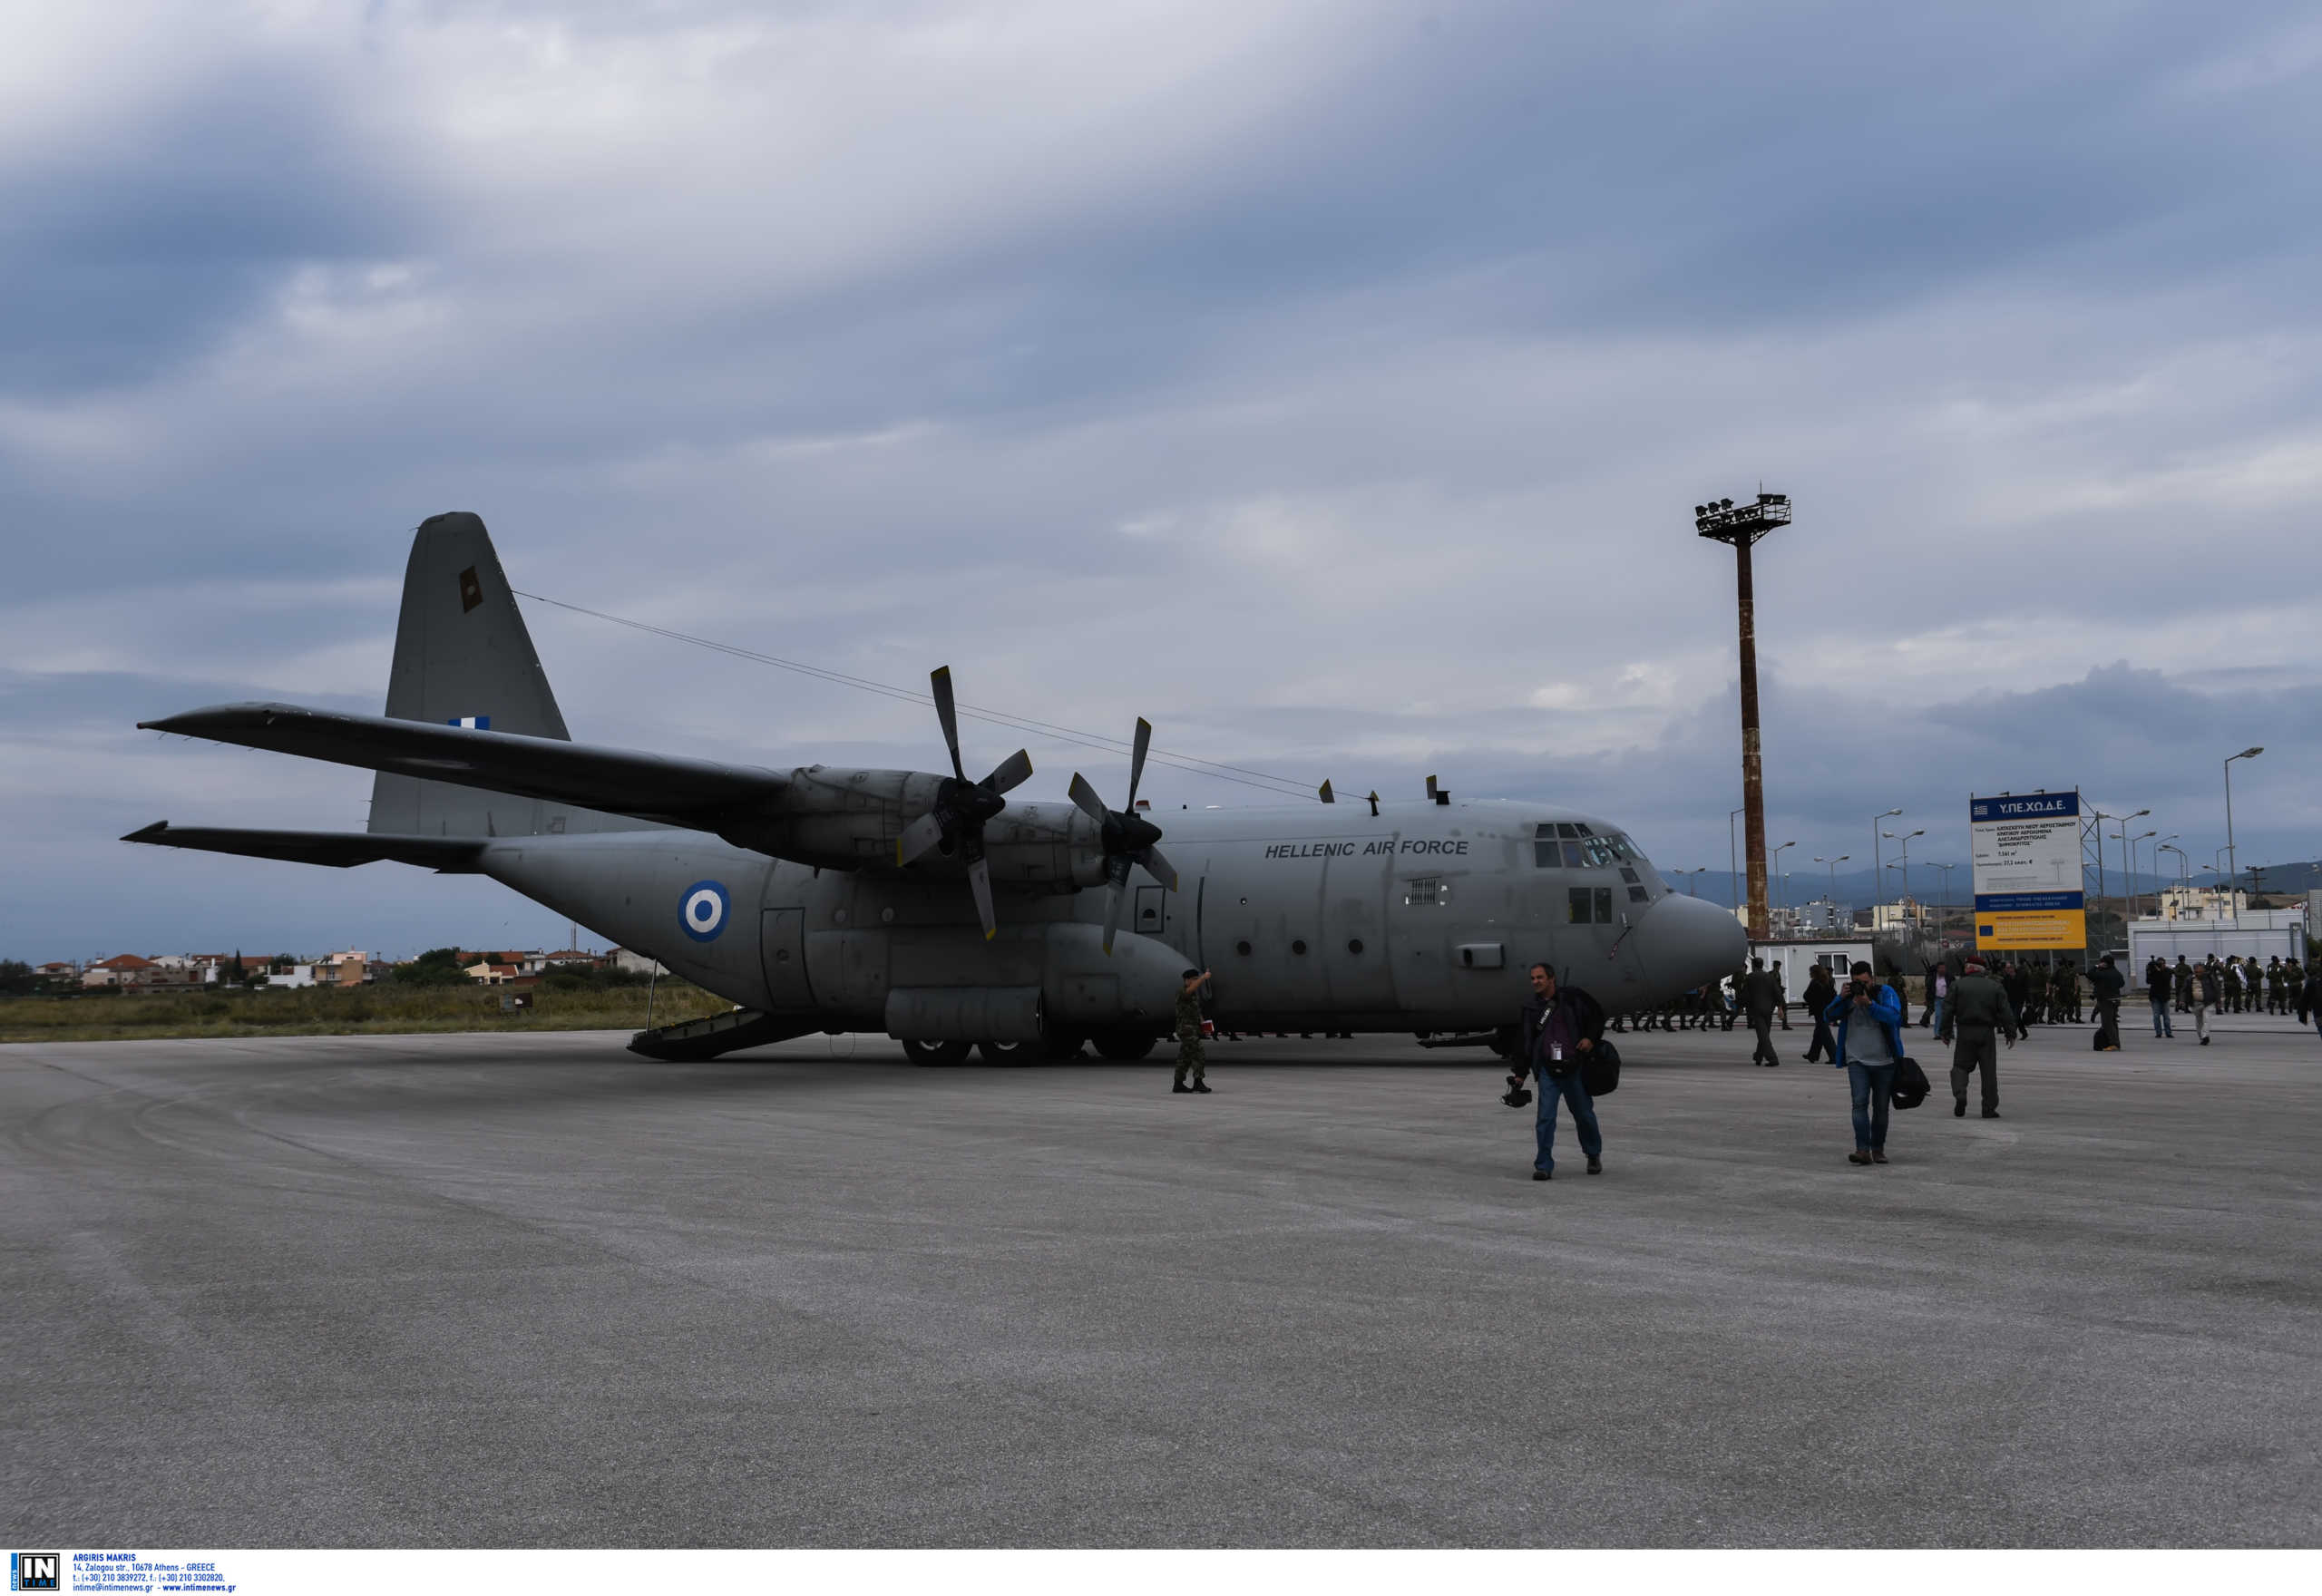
(1570, 1089)
(1874, 1092)
(1934, 1021)
(2161, 1026)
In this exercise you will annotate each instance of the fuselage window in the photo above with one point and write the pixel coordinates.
(1577, 899)
(1599, 851)
(1604, 906)
(1565, 828)
(1638, 894)
(1630, 876)
(1572, 860)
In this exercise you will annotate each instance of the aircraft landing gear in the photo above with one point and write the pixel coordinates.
(925, 1054)
(1008, 1052)
(1126, 1045)
(1061, 1043)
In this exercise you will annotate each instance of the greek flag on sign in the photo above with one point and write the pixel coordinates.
(474, 722)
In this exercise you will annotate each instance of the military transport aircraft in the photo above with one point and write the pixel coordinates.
(938, 908)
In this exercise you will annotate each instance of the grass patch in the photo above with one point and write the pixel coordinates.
(384, 1009)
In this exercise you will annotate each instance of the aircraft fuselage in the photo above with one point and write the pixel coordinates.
(1423, 917)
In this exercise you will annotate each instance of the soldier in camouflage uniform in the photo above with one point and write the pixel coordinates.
(2182, 975)
(2063, 994)
(1189, 1050)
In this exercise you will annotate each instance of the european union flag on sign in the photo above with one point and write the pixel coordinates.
(474, 722)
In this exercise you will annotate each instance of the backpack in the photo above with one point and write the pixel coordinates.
(1600, 1069)
(1911, 1085)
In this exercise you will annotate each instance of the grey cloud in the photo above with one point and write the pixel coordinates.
(1325, 402)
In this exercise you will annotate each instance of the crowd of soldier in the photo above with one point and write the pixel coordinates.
(2040, 994)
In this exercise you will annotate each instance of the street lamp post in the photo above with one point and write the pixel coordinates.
(1906, 850)
(2184, 869)
(2140, 837)
(1943, 920)
(1691, 875)
(1732, 859)
(1773, 859)
(1833, 899)
(1877, 866)
(2231, 862)
(2121, 826)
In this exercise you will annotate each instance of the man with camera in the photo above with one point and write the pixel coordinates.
(1560, 1026)
(1869, 1017)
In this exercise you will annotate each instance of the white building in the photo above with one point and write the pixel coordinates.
(2202, 903)
(1905, 914)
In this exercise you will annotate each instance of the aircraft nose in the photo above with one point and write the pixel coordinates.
(1684, 942)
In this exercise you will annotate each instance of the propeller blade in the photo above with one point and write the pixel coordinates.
(1158, 868)
(1136, 760)
(980, 879)
(1117, 888)
(918, 837)
(1086, 797)
(940, 681)
(1013, 772)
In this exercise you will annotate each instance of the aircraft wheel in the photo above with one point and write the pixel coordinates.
(1008, 1052)
(1505, 1041)
(1061, 1045)
(936, 1053)
(1125, 1046)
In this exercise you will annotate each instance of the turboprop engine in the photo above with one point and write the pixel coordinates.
(852, 819)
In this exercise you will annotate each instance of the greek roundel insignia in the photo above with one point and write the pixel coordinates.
(702, 910)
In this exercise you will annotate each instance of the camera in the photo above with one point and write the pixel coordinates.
(1519, 1095)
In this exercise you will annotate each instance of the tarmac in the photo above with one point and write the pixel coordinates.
(532, 1290)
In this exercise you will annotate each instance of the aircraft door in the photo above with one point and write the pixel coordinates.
(1151, 918)
(782, 942)
(1356, 963)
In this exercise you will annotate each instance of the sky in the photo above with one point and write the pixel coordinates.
(1329, 383)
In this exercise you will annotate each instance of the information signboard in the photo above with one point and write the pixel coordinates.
(2026, 851)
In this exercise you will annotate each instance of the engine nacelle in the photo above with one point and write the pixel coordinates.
(832, 818)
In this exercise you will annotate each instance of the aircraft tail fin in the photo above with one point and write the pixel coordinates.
(464, 657)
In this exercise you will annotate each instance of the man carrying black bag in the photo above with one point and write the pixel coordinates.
(1561, 1027)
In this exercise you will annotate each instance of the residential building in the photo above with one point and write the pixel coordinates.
(635, 963)
(123, 969)
(350, 968)
(1905, 914)
(1819, 918)
(2202, 903)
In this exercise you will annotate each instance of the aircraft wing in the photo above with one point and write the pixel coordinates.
(620, 780)
(445, 855)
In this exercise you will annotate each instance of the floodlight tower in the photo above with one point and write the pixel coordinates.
(1742, 525)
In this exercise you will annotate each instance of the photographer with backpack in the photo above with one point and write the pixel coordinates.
(1561, 1027)
(1869, 1016)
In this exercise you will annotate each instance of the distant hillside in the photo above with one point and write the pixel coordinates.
(1854, 887)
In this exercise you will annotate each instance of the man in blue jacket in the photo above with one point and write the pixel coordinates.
(1869, 1020)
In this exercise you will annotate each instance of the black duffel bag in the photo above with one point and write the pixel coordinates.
(1600, 1069)
(1911, 1085)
